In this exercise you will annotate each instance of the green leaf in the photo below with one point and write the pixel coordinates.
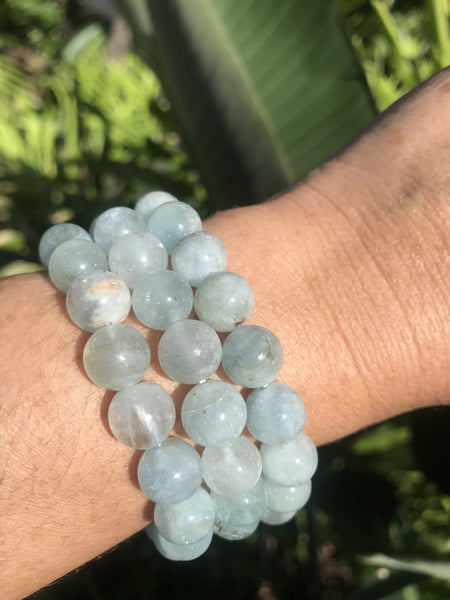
(263, 91)
(440, 570)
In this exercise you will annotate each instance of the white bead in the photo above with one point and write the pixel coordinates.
(198, 255)
(290, 463)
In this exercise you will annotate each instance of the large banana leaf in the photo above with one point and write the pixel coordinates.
(263, 90)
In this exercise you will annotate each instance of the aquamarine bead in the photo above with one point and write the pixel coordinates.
(58, 234)
(116, 356)
(72, 258)
(272, 517)
(282, 498)
(148, 202)
(232, 470)
(275, 413)
(189, 351)
(224, 300)
(161, 298)
(252, 356)
(179, 552)
(97, 298)
(188, 521)
(237, 517)
(142, 415)
(113, 223)
(171, 472)
(198, 255)
(172, 221)
(290, 463)
(135, 254)
(213, 413)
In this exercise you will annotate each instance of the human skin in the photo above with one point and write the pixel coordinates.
(350, 269)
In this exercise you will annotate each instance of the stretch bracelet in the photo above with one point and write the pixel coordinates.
(122, 265)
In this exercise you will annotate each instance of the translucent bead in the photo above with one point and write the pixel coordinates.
(72, 258)
(148, 202)
(232, 470)
(161, 298)
(276, 413)
(198, 255)
(182, 552)
(58, 234)
(97, 298)
(171, 472)
(113, 223)
(286, 499)
(272, 517)
(172, 221)
(189, 351)
(290, 463)
(142, 415)
(135, 254)
(116, 356)
(252, 356)
(188, 521)
(237, 517)
(213, 413)
(224, 300)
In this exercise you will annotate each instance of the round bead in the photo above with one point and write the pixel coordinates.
(171, 472)
(252, 356)
(182, 552)
(276, 413)
(148, 202)
(142, 415)
(232, 470)
(72, 258)
(172, 221)
(97, 298)
(115, 222)
(213, 413)
(224, 300)
(237, 517)
(272, 517)
(286, 499)
(290, 463)
(187, 521)
(135, 254)
(162, 298)
(58, 234)
(116, 356)
(189, 351)
(198, 255)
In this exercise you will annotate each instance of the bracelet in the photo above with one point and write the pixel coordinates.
(122, 264)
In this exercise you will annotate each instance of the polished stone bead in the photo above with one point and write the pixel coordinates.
(148, 202)
(113, 223)
(232, 470)
(72, 258)
(272, 517)
(188, 521)
(290, 463)
(97, 298)
(213, 413)
(224, 300)
(189, 351)
(252, 356)
(198, 255)
(178, 552)
(286, 499)
(116, 356)
(58, 234)
(142, 415)
(172, 221)
(276, 413)
(237, 517)
(161, 298)
(135, 254)
(171, 472)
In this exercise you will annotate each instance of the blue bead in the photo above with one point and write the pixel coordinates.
(148, 202)
(198, 255)
(73, 258)
(113, 223)
(178, 552)
(290, 463)
(58, 234)
(172, 221)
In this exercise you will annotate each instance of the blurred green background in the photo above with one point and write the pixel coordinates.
(225, 103)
